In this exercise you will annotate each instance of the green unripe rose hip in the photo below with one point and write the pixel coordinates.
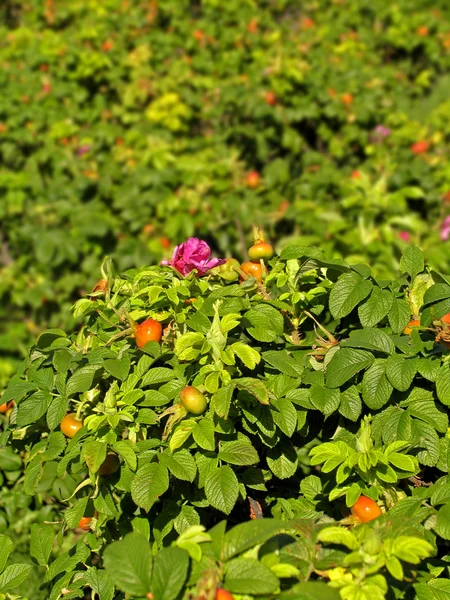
(228, 271)
(193, 400)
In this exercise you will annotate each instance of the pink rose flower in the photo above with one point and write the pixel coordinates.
(193, 254)
(445, 229)
(404, 235)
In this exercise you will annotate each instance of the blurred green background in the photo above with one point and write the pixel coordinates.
(128, 126)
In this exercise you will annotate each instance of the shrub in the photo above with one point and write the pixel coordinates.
(125, 126)
(316, 401)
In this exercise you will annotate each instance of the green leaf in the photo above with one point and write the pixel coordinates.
(94, 454)
(399, 315)
(5, 550)
(41, 543)
(118, 368)
(311, 590)
(81, 380)
(32, 409)
(188, 346)
(150, 482)
(203, 434)
(255, 387)
(238, 452)
(442, 526)
(169, 573)
(438, 291)
(264, 323)
(376, 307)
(412, 261)
(443, 385)
(338, 535)
(247, 576)
(73, 515)
(100, 583)
(283, 362)
(33, 474)
(351, 405)
(128, 563)
(13, 576)
(345, 364)
(222, 489)
(349, 290)
(370, 339)
(411, 549)
(247, 535)
(376, 389)
(285, 415)
(248, 355)
(401, 371)
(221, 401)
(158, 375)
(311, 486)
(56, 411)
(282, 460)
(324, 399)
(125, 449)
(181, 464)
(181, 434)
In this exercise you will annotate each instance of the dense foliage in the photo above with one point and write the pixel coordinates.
(128, 125)
(323, 440)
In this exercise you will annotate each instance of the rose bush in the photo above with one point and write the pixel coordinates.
(126, 126)
(316, 466)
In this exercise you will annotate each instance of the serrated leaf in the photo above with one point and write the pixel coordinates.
(255, 387)
(129, 564)
(222, 489)
(181, 434)
(376, 307)
(248, 355)
(370, 339)
(73, 515)
(246, 535)
(338, 535)
(100, 583)
(349, 290)
(203, 434)
(376, 389)
(247, 576)
(181, 464)
(285, 415)
(5, 550)
(13, 576)
(41, 543)
(350, 406)
(412, 261)
(282, 460)
(438, 291)
(238, 452)
(158, 375)
(32, 409)
(345, 364)
(443, 385)
(400, 371)
(169, 573)
(324, 399)
(399, 315)
(149, 483)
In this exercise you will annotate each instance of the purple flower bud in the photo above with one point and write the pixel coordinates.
(193, 254)
(405, 236)
(445, 229)
(83, 150)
